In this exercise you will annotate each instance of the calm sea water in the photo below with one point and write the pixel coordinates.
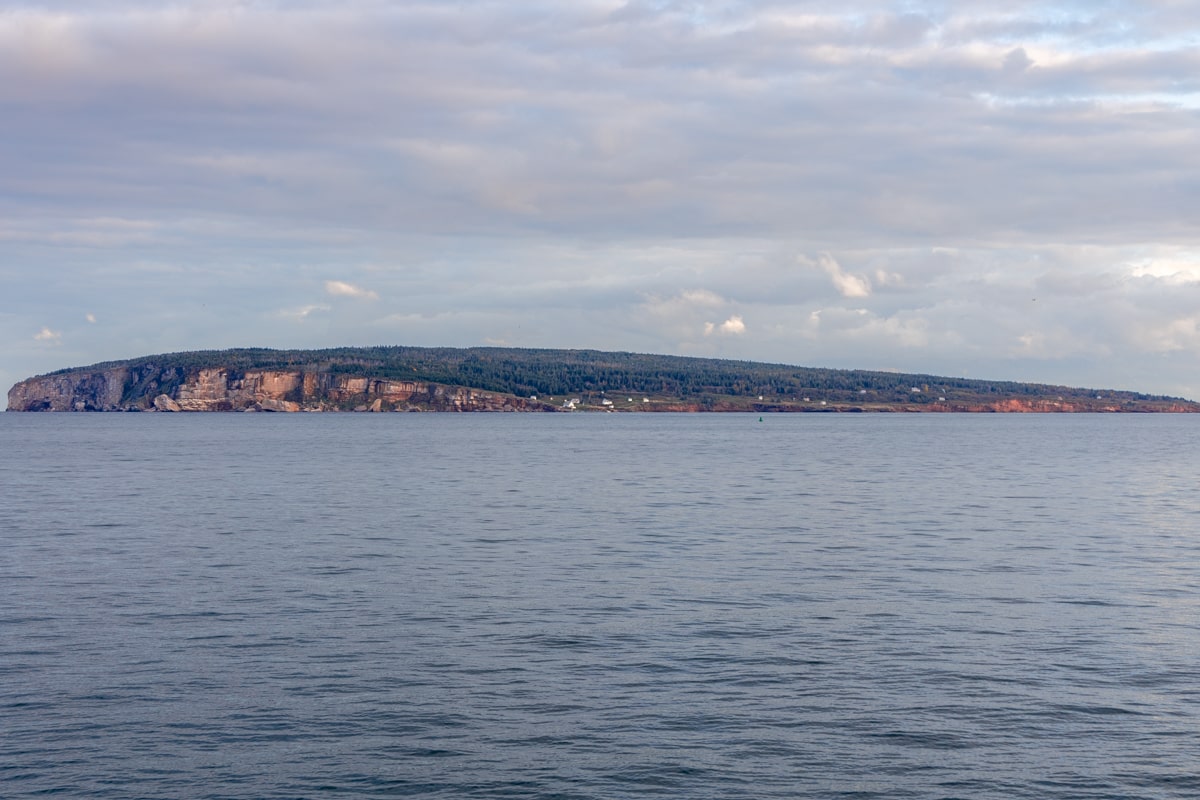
(599, 606)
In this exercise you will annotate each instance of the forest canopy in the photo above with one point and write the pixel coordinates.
(526, 372)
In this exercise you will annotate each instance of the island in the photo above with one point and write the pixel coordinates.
(397, 378)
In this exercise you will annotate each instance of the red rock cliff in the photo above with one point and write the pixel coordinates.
(219, 389)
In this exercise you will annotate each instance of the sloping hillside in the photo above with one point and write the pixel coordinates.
(484, 378)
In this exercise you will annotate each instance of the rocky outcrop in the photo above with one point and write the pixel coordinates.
(164, 403)
(223, 390)
(91, 391)
(219, 389)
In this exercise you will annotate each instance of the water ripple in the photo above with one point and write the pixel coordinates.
(598, 607)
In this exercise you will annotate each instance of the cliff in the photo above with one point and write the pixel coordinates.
(150, 388)
(399, 378)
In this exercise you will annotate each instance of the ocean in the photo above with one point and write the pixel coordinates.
(583, 606)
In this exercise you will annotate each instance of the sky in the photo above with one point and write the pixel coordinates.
(1006, 191)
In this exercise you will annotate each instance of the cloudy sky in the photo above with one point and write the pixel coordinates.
(925, 186)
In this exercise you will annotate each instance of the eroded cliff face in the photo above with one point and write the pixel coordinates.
(92, 391)
(154, 387)
(218, 389)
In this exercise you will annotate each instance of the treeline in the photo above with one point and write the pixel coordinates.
(527, 372)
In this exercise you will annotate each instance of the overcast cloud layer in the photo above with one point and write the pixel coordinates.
(933, 187)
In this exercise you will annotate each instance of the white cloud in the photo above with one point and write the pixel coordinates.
(702, 297)
(49, 336)
(303, 312)
(734, 326)
(848, 285)
(90, 318)
(1172, 270)
(681, 316)
(885, 278)
(687, 303)
(343, 289)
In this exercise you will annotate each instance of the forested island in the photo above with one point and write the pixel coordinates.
(376, 379)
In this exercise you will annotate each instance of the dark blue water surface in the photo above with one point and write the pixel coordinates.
(599, 606)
